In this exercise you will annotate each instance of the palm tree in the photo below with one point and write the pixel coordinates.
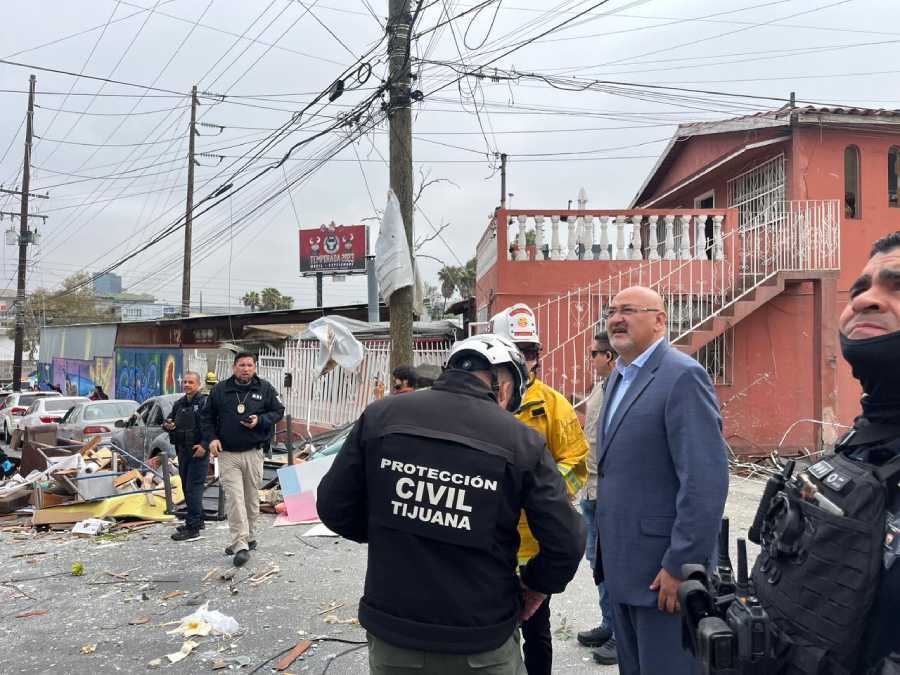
(447, 275)
(465, 280)
(251, 300)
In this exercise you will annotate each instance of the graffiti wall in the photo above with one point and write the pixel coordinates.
(44, 375)
(142, 373)
(75, 377)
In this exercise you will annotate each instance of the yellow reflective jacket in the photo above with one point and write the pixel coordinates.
(546, 411)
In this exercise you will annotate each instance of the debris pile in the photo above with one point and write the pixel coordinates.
(93, 487)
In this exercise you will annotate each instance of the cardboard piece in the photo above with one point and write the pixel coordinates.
(61, 514)
(304, 477)
(91, 526)
(15, 501)
(319, 530)
(301, 507)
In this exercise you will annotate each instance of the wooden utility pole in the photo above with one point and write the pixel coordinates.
(401, 301)
(188, 213)
(502, 180)
(24, 238)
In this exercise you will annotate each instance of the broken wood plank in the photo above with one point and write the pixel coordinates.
(285, 661)
(134, 474)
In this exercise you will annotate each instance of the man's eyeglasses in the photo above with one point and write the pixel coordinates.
(627, 310)
(595, 352)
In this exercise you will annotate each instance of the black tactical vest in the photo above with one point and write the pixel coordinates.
(187, 423)
(821, 560)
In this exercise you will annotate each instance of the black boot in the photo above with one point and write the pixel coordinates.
(594, 637)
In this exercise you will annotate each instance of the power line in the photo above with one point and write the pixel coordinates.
(126, 114)
(322, 23)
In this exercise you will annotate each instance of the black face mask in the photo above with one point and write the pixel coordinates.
(876, 364)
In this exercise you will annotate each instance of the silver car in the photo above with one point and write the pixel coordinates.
(95, 418)
(142, 435)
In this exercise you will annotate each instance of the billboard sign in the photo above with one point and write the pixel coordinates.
(333, 249)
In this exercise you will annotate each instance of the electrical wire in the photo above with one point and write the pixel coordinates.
(487, 33)
(96, 114)
(325, 26)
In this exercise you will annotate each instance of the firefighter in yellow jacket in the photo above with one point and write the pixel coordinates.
(548, 412)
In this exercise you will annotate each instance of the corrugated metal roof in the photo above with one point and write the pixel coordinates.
(77, 342)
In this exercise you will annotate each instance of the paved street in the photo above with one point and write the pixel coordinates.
(126, 617)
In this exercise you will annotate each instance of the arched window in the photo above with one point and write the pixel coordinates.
(893, 168)
(852, 197)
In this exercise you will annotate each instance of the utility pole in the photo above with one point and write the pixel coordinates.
(502, 180)
(188, 213)
(319, 279)
(401, 301)
(371, 282)
(24, 238)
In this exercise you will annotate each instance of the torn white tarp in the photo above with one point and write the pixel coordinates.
(393, 265)
(337, 346)
(418, 291)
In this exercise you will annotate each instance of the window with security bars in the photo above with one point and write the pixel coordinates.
(758, 193)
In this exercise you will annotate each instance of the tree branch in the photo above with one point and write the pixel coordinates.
(437, 233)
(425, 182)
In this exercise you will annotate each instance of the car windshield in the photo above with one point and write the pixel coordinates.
(109, 409)
(27, 399)
(59, 403)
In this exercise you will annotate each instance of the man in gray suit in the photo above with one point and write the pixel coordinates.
(662, 482)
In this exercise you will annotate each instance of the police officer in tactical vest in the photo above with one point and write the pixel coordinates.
(828, 575)
(434, 481)
(183, 425)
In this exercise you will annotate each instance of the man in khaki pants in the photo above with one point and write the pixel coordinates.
(238, 422)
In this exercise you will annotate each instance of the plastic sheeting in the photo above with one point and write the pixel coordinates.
(393, 264)
(337, 347)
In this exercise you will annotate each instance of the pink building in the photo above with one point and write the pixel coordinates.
(753, 230)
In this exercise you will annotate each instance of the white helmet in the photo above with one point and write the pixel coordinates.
(481, 352)
(517, 324)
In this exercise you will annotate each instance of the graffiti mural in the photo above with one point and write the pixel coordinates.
(44, 375)
(75, 377)
(103, 372)
(142, 373)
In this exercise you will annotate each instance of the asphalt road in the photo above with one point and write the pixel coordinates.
(122, 620)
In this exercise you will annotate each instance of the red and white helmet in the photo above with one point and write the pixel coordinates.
(517, 324)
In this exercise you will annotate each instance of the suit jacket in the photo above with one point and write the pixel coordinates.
(662, 476)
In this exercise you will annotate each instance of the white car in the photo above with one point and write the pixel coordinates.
(95, 418)
(16, 405)
(47, 410)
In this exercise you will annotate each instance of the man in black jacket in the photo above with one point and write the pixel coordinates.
(434, 482)
(183, 425)
(238, 421)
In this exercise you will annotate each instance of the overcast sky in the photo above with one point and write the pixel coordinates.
(115, 164)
